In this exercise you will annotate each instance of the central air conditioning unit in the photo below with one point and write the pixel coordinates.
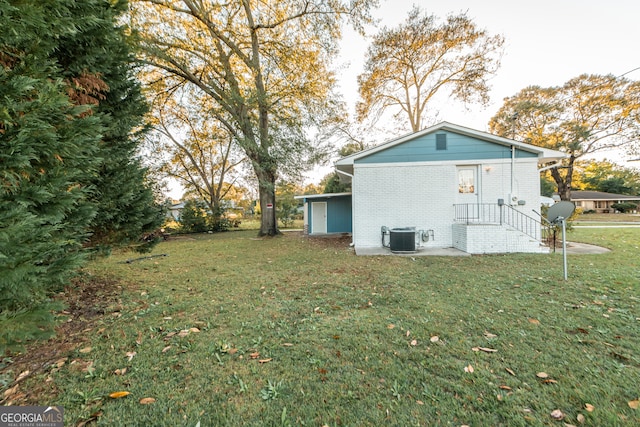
(402, 240)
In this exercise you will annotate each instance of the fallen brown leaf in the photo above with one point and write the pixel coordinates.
(194, 330)
(434, 338)
(510, 371)
(542, 375)
(254, 355)
(164, 350)
(93, 417)
(131, 355)
(11, 391)
(120, 371)
(534, 321)
(23, 375)
(550, 381)
(557, 414)
(85, 350)
(119, 394)
(505, 387)
(147, 400)
(391, 326)
(634, 404)
(580, 418)
(589, 407)
(485, 349)
(468, 369)
(265, 360)
(489, 334)
(414, 343)
(139, 339)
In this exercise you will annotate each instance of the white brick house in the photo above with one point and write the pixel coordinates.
(464, 188)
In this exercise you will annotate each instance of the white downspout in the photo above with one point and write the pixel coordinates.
(513, 162)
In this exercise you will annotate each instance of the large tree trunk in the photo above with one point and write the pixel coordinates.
(267, 194)
(564, 182)
(214, 206)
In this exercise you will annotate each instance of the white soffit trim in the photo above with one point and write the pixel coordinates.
(322, 196)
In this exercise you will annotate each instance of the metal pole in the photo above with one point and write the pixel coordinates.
(564, 248)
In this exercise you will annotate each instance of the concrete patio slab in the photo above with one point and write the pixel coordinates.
(420, 252)
(575, 248)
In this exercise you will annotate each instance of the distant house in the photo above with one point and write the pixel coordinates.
(600, 202)
(457, 187)
(174, 211)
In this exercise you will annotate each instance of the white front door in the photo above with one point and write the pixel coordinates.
(318, 217)
(468, 190)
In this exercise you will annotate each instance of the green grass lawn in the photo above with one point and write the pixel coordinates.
(619, 217)
(230, 330)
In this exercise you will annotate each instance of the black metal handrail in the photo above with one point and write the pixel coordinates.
(491, 213)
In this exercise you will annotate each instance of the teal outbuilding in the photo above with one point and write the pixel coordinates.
(327, 213)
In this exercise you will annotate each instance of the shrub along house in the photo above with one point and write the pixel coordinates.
(444, 186)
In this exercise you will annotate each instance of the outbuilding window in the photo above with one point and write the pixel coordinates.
(441, 141)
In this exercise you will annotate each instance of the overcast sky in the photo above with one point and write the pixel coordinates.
(547, 42)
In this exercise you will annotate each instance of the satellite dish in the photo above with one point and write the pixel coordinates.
(558, 213)
(560, 210)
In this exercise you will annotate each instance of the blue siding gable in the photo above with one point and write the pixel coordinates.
(458, 147)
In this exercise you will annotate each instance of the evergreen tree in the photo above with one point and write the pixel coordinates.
(48, 150)
(332, 184)
(71, 117)
(97, 61)
(193, 218)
